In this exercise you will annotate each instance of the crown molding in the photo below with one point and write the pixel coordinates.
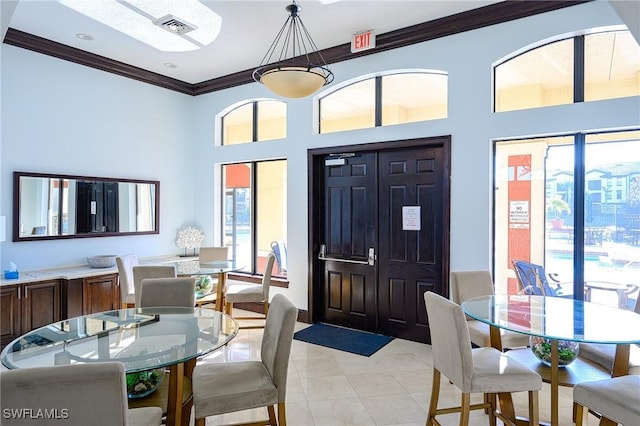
(465, 21)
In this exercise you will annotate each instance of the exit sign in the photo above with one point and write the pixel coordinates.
(363, 41)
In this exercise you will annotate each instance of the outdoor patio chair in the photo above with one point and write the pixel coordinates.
(532, 279)
(279, 248)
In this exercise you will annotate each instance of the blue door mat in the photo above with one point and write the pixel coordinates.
(343, 339)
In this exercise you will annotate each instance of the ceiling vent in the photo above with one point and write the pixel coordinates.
(174, 25)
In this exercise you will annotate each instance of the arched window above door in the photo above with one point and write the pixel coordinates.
(392, 97)
(590, 67)
(254, 121)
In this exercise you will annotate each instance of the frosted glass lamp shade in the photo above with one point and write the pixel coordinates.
(293, 82)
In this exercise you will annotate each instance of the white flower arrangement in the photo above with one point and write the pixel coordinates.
(190, 238)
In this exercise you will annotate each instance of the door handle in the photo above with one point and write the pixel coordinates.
(371, 257)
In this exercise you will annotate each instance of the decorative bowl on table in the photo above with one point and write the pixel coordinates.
(142, 383)
(541, 348)
(102, 261)
(204, 283)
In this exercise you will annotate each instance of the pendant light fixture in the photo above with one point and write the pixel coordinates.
(293, 67)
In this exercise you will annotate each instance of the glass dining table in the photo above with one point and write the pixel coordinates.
(558, 319)
(143, 339)
(217, 268)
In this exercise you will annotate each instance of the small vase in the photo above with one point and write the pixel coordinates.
(541, 348)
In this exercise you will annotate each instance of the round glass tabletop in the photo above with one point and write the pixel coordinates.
(141, 338)
(556, 318)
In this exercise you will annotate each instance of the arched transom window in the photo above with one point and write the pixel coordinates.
(384, 100)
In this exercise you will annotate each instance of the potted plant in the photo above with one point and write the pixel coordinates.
(557, 206)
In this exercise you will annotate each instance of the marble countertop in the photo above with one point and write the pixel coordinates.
(81, 271)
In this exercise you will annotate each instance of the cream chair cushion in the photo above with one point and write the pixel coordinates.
(150, 271)
(485, 370)
(168, 292)
(125, 264)
(226, 387)
(209, 254)
(480, 370)
(469, 284)
(617, 399)
(246, 292)
(604, 354)
(93, 394)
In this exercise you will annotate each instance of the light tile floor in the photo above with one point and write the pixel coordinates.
(327, 387)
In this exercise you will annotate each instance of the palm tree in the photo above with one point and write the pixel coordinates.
(557, 206)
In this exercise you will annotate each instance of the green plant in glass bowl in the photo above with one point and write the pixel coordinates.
(142, 383)
(203, 285)
(541, 348)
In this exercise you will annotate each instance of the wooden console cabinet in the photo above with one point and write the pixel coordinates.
(27, 306)
(82, 296)
(24, 307)
(100, 294)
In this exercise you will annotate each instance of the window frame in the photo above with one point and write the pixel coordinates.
(377, 96)
(579, 65)
(252, 275)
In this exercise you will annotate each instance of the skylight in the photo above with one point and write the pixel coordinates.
(139, 18)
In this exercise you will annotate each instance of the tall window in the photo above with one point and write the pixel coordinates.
(255, 121)
(596, 66)
(255, 200)
(383, 100)
(572, 204)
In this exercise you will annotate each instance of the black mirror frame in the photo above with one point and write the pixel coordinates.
(16, 207)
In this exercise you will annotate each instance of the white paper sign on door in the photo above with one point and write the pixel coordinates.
(410, 218)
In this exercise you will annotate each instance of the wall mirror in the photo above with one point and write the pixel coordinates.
(47, 206)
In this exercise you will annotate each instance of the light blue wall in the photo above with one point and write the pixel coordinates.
(177, 133)
(59, 117)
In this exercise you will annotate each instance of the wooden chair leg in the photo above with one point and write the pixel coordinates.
(465, 409)
(272, 416)
(435, 393)
(534, 408)
(579, 414)
(200, 422)
(282, 414)
(490, 398)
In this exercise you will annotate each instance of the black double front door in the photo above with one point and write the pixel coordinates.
(380, 235)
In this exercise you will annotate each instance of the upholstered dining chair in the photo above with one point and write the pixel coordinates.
(142, 272)
(479, 370)
(616, 399)
(210, 254)
(469, 284)
(239, 292)
(80, 394)
(227, 387)
(213, 254)
(125, 264)
(168, 292)
(604, 354)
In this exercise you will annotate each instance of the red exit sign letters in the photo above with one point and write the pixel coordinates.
(363, 41)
